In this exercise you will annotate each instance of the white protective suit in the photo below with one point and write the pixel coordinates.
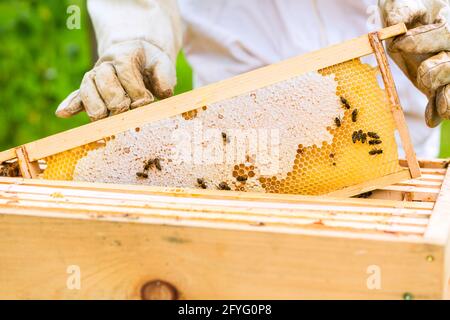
(223, 38)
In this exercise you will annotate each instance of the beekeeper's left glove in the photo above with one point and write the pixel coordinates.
(138, 44)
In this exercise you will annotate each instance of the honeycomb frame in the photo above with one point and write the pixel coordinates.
(203, 97)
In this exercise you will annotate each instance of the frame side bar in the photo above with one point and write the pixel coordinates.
(195, 99)
(394, 101)
(28, 169)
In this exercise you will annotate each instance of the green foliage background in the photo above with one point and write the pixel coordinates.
(41, 61)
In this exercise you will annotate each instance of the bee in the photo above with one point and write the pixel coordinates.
(157, 163)
(148, 164)
(334, 164)
(337, 121)
(332, 155)
(375, 142)
(225, 138)
(355, 136)
(373, 135)
(223, 186)
(363, 137)
(375, 151)
(202, 183)
(355, 115)
(345, 103)
(147, 167)
(360, 134)
(142, 175)
(241, 178)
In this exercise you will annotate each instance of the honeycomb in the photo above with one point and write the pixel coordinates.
(324, 143)
(192, 114)
(320, 170)
(62, 165)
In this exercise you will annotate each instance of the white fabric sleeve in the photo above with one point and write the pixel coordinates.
(156, 21)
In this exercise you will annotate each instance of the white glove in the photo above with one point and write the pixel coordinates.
(138, 42)
(423, 52)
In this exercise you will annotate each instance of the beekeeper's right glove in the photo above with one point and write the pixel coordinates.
(423, 53)
(138, 43)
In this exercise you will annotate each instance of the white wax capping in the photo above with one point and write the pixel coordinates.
(262, 128)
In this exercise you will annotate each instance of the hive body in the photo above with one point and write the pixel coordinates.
(291, 137)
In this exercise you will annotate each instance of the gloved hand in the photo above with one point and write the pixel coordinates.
(423, 53)
(138, 44)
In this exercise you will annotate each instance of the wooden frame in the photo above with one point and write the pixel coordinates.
(394, 100)
(29, 169)
(247, 82)
(133, 242)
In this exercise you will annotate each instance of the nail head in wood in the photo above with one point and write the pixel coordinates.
(408, 296)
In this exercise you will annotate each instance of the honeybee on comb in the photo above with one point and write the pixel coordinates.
(355, 115)
(241, 178)
(225, 138)
(157, 163)
(148, 164)
(375, 151)
(375, 142)
(355, 136)
(337, 122)
(363, 137)
(201, 182)
(152, 163)
(223, 186)
(345, 103)
(142, 175)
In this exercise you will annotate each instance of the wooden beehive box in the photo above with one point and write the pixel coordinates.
(133, 242)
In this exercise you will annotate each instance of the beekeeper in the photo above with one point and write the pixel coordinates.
(138, 42)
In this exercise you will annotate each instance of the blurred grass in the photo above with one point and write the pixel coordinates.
(41, 61)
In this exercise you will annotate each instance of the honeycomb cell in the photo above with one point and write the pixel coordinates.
(192, 114)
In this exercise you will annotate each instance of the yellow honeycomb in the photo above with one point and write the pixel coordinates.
(316, 169)
(62, 165)
(192, 114)
(343, 163)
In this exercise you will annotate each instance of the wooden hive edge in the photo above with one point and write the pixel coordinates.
(301, 215)
(240, 263)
